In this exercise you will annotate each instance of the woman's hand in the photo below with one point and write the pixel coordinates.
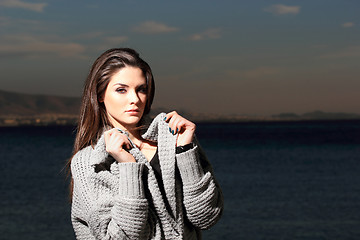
(116, 145)
(182, 126)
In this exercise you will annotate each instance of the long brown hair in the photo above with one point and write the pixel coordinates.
(93, 118)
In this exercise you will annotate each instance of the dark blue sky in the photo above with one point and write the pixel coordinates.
(228, 57)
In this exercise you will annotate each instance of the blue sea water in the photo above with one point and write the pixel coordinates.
(280, 180)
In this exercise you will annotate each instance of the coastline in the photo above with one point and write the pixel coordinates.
(71, 120)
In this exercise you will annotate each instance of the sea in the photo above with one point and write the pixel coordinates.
(280, 180)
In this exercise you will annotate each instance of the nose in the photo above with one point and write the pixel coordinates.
(133, 97)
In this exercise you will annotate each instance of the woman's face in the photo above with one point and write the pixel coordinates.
(125, 97)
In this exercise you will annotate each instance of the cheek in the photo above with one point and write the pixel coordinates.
(112, 101)
(143, 98)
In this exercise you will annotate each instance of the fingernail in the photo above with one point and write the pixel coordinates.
(176, 130)
(169, 129)
(164, 118)
(172, 132)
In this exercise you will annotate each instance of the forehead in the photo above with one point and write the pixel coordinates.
(131, 76)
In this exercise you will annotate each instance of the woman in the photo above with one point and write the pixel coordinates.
(131, 178)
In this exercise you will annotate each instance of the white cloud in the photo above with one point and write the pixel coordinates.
(37, 7)
(151, 27)
(30, 46)
(280, 9)
(348, 24)
(213, 33)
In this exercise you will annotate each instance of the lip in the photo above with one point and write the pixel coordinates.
(132, 110)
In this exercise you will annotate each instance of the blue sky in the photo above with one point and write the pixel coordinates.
(226, 57)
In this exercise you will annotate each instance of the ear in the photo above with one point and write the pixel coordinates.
(101, 99)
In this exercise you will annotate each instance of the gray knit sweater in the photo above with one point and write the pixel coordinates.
(126, 202)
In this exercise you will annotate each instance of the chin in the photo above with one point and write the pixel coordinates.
(126, 121)
(132, 120)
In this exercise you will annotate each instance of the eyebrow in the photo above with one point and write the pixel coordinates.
(121, 84)
(124, 85)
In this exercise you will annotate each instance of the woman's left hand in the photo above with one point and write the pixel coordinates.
(182, 126)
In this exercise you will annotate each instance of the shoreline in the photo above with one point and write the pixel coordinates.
(71, 120)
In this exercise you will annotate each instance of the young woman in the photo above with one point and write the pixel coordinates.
(133, 178)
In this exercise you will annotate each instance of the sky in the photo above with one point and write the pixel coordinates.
(255, 57)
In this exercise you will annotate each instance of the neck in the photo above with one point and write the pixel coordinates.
(133, 131)
(134, 135)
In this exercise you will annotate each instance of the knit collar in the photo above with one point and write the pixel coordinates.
(150, 132)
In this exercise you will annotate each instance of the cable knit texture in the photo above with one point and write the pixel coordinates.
(126, 202)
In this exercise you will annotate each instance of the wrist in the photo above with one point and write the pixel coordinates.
(184, 148)
(124, 158)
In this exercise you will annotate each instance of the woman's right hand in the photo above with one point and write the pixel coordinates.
(116, 145)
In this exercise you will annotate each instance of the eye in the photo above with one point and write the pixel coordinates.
(121, 90)
(142, 89)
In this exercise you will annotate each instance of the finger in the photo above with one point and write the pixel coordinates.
(124, 141)
(181, 125)
(175, 124)
(110, 132)
(107, 135)
(173, 118)
(169, 116)
(126, 145)
(115, 140)
(111, 142)
(116, 133)
(121, 140)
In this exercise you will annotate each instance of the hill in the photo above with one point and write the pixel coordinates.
(317, 115)
(26, 109)
(19, 104)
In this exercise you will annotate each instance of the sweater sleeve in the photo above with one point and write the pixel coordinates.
(107, 205)
(203, 199)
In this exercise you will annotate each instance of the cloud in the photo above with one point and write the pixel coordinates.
(348, 24)
(88, 35)
(36, 7)
(352, 51)
(30, 46)
(116, 40)
(151, 27)
(110, 42)
(99, 41)
(280, 9)
(213, 33)
(21, 25)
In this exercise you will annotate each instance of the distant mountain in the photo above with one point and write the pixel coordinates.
(327, 115)
(20, 104)
(317, 115)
